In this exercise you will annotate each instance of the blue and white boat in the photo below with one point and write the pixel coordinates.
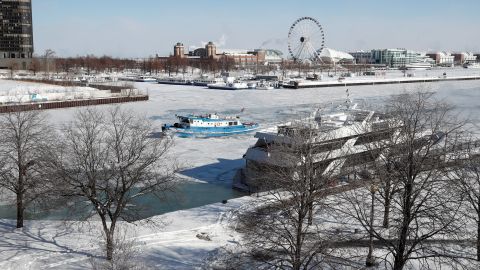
(210, 125)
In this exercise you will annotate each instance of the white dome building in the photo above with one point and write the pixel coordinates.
(332, 56)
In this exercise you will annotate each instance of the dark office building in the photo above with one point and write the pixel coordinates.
(16, 41)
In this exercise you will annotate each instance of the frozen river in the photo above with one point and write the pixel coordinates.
(211, 163)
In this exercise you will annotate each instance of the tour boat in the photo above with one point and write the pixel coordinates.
(174, 81)
(206, 81)
(210, 125)
(138, 79)
(146, 79)
(471, 65)
(418, 66)
(343, 133)
(228, 86)
(265, 86)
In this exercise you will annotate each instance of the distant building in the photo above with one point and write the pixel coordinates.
(332, 56)
(240, 57)
(397, 58)
(362, 57)
(211, 50)
(16, 40)
(179, 50)
(442, 58)
(272, 56)
(464, 57)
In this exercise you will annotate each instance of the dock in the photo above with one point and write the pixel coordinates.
(352, 82)
(48, 105)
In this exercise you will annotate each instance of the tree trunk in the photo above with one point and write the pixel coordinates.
(478, 231)
(298, 241)
(20, 209)
(386, 213)
(298, 248)
(310, 213)
(109, 236)
(370, 261)
(399, 262)
(478, 241)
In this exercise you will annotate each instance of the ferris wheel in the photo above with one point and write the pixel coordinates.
(306, 39)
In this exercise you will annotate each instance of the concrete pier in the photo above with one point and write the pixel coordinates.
(48, 105)
(353, 82)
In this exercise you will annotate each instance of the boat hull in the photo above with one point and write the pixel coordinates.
(265, 88)
(174, 82)
(226, 87)
(223, 86)
(418, 68)
(199, 132)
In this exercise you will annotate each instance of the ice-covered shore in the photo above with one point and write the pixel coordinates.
(51, 245)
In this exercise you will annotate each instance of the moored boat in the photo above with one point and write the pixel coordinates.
(265, 86)
(471, 65)
(228, 86)
(138, 79)
(418, 66)
(174, 81)
(210, 125)
(206, 81)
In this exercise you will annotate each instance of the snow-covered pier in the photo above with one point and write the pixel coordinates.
(375, 81)
(47, 105)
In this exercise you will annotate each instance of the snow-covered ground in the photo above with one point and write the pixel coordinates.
(13, 91)
(51, 245)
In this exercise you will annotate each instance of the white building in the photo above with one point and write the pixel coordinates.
(464, 58)
(362, 57)
(445, 59)
(332, 56)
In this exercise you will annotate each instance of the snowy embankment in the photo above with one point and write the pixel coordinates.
(51, 245)
(170, 242)
(14, 91)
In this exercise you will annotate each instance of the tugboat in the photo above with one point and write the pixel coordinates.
(210, 125)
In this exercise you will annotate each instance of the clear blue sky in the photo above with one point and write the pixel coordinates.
(139, 28)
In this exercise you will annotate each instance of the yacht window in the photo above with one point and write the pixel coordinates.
(230, 123)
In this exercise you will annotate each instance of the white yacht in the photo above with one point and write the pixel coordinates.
(229, 83)
(135, 78)
(418, 66)
(228, 86)
(205, 81)
(471, 65)
(263, 85)
(174, 81)
(344, 133)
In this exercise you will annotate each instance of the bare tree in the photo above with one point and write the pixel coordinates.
(25, 141)
(47, 56)
(282, 231)
(422, 209)
(466, 181)
(13, 66)
(109, 160)
(35, 66)
(126, 255)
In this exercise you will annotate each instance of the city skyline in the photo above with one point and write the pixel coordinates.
(144, 28)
